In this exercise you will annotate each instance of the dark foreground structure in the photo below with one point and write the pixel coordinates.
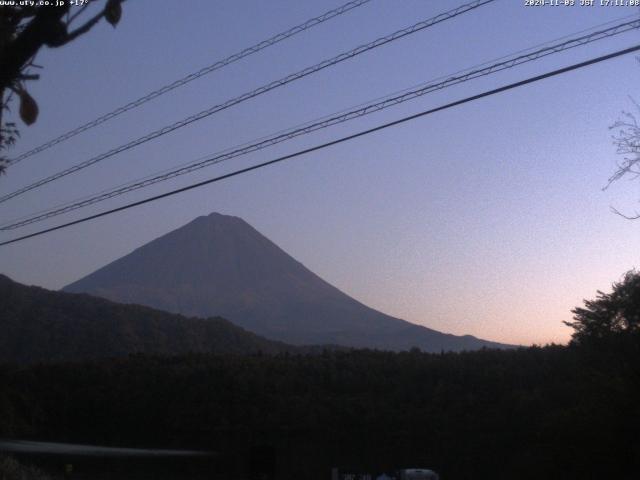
(98, 462)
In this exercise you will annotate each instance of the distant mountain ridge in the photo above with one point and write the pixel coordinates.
(220, 265)
(39, 325)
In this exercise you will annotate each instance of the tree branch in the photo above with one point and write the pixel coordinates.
(83, 29)
(77, 14)
(618, 212)
(43, 29)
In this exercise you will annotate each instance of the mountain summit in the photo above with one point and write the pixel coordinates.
(220, 265)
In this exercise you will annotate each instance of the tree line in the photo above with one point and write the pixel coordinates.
(540, 412)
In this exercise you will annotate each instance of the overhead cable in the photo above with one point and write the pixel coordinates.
(193, 76)
(299, 153)
(330, 121)
(254, 93)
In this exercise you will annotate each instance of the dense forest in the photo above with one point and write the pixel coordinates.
(553, 412)
(549, 412)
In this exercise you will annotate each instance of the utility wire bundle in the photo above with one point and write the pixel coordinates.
(193, 76)
(253, 93)
(337, 119)
(504, 63)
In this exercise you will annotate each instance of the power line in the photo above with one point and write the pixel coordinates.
(193, 76)
(254, 93)
(327, 122)
(472, 98)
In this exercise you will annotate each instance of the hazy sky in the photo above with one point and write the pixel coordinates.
(486, 219)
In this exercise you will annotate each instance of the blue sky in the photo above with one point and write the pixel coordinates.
(486, 219)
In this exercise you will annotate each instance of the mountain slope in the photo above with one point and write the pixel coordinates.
(220, 265)
(41, 325)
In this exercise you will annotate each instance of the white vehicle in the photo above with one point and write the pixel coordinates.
(418, 474)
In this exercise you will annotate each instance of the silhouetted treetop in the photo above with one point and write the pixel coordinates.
(613, 313)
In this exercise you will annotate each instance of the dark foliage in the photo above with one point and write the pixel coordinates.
(10, 469)
(610, 314)
(553, 412)
(24, 30)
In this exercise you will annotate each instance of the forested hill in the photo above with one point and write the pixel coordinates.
(39, 325)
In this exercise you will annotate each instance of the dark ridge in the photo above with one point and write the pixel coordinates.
(39, 325)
